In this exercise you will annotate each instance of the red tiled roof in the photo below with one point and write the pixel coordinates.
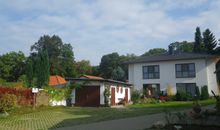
(56, 80)
(90, 77)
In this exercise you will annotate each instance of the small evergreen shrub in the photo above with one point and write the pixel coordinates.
(204, 93)
(149, 101)
(183, 96)
(198, 95)
(7, 102)
(135, 96)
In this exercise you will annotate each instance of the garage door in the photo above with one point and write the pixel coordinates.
(88, 96)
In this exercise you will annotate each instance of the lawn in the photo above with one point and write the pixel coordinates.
(55, 117)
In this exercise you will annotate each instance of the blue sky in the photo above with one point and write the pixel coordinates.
(99, 27)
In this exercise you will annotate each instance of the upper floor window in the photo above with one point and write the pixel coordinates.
(185, 70)
(151, 72)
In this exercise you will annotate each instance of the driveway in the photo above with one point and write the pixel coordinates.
(134, 123)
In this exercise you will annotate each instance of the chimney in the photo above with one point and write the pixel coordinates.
(171, 50)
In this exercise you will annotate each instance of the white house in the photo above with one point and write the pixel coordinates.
(181, 71)
(92, 88)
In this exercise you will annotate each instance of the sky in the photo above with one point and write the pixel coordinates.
(98, 27)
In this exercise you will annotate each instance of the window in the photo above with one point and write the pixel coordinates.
(151, 72)
(187, 88)
(185, 70)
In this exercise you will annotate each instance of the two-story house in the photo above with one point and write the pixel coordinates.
(181, 71)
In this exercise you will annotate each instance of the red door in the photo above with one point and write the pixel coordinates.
(88, 96)
(112, 96)
(126, 95)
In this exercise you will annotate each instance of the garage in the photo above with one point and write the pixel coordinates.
(88, 96)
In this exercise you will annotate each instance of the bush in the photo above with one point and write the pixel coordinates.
(198, 95)
(135, 96)
(183, 96)
(149, 101)
(7, 102)
(204, 93)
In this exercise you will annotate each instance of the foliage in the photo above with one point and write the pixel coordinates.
(61, 57)
(204, 93)
(183, 96)
(29, 72)
(7, 102)
(198, 46)
(154, 51)
(148, 100)
(118, 74)
(197, 92)
(135, 96)
(170, 91)
(217, 98)
(106, 95)
(24, 96)
(57, 94)
(209, 41)
(183, 46)
(111, 62)
(83, 67)
(12, 66)
(42, 73)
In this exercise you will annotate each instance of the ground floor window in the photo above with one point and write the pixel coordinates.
(151, 90)
(186, 87)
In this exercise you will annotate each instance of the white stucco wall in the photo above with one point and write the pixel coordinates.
(212, 81)
(204, 75)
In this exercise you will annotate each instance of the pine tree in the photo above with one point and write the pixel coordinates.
(198, 41)
(29, 73)
(42, 69)
(209, 41)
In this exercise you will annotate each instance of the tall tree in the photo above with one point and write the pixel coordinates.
(183, 46)
(108, 63)
(12, 66)
(198, 41)
(61, 57)
(83, 67)
(118, 74)
(29, 72)
(209, 41)
(43, 69)
(155, 51)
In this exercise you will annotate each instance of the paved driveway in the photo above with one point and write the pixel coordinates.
(134, 123)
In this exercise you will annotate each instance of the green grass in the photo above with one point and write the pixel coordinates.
(55, 117)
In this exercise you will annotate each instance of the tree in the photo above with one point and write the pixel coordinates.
(29, 72)
(61, 57)
(155, 51)
(209, 41)
(118, 74)
(42, 69)
(12, 66)
(198, 41)
(183, 46)
(204, 93)
(108, 63)
(83, 67)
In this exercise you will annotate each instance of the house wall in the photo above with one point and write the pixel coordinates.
(204, 75)
(212, 81)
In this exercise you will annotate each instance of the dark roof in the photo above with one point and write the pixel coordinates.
(99, 80)
(171, 57)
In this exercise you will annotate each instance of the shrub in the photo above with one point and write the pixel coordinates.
(7, 102)
(135, 96)
(149, 101)
(198, 95)
(183, 96)
(204, 93)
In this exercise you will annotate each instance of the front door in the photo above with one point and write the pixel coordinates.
(126, 95)
(112, 96)
(88, 96)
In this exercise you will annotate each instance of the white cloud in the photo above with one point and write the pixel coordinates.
(99, 27)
